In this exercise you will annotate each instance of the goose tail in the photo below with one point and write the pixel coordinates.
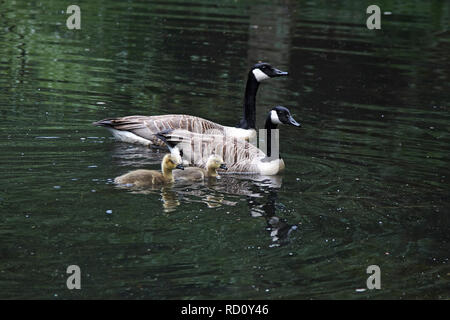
(104, 123)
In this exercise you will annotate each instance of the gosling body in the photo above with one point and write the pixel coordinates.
(200, 174)
(144, 178)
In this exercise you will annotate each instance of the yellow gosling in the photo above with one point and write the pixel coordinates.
(199, 174)
(143, 178)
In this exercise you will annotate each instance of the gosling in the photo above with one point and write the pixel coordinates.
(144, 178)
(198, 174)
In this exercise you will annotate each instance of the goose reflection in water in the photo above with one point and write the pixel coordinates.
(261, 193)
(280, 230)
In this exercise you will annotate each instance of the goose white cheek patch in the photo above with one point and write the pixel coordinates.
(274, 117)
(259, 75)
(176, 153)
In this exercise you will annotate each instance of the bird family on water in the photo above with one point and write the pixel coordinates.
(206, 147)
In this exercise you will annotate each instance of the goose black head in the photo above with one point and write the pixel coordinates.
(282, 115)
(262, 71)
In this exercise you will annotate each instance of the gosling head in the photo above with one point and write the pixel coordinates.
(282, 115)
(262, 71)
(216, 162)
(172, 161)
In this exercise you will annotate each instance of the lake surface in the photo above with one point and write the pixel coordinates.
(366, 179)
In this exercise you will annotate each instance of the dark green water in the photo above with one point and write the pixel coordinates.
(367, 175)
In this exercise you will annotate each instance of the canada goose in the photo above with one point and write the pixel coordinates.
(142, 178)
(199, 174)
(141, 129)
(241, 156)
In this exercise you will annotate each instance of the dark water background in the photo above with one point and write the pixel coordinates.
(367, 175)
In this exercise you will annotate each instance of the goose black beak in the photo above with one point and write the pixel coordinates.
(180, 166)
(223, 166)
(279, 73)
(293, 122)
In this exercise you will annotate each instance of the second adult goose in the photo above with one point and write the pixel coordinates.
(239, 155)
(142, 129)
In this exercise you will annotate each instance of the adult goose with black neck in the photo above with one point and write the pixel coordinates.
(142, 129)
(240, 156)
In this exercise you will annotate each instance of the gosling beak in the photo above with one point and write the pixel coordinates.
(293, 122)
(223, 166)
(180, 166)
(279, 73)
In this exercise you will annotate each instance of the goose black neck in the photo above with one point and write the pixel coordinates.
(249, 121)
(269, 125)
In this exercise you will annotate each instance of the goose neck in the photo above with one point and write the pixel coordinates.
(167, 173)
(269, 125)
(212, 172)
(251, 88)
